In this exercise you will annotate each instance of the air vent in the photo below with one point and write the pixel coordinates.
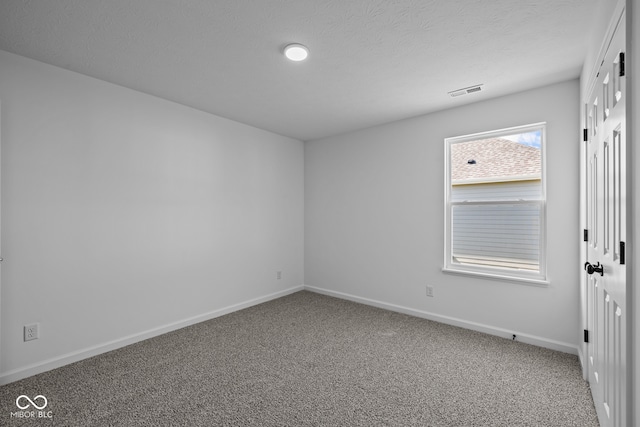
(465, 91)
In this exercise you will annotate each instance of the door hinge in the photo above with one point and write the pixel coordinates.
(622, 254)
(586, 336)
(585, 135)
(585, 235)
(621, 64)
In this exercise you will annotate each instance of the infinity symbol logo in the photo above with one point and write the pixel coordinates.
(31, 402)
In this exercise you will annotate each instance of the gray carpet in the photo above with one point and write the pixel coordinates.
(313, 360)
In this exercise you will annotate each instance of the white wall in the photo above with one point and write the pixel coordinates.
(374, 219)
(124, 215)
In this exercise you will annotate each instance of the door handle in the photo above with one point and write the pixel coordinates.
(594, 268)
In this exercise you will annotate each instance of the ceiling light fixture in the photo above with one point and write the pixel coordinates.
(296, 52)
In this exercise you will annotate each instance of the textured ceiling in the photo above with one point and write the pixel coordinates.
(371, 61)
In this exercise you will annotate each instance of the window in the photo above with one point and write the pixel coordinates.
(495, 204)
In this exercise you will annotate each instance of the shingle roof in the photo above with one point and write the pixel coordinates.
(496, 160)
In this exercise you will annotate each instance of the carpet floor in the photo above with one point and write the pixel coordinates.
(311, 360)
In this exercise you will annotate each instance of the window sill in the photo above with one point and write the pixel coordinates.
(496, 276)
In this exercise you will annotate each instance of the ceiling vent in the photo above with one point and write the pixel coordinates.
(465, 91)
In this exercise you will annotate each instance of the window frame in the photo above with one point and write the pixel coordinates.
(538, 278)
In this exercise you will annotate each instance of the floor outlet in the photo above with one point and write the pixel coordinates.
(31, 332)
(430, 291)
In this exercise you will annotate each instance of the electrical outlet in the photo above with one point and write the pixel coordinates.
(429, 291)
(31, 332)
(279, 275)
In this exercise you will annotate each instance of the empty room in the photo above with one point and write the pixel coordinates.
(319, 213)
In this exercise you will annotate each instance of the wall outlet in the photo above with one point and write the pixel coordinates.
(31, 332)
(278, 275)
(429, 291)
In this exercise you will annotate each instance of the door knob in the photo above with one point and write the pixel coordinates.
(594, 268)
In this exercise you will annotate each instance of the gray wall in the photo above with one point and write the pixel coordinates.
(374, 219)
(124, 215)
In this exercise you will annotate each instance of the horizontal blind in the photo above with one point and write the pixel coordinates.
(497, 233)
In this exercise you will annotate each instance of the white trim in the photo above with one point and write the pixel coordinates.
(492, 133)
(517, 276)
(633, 206)
(0, 235)
(57, 362)
(468, 270)
(487, 329)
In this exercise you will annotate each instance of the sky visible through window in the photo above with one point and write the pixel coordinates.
(531, 139)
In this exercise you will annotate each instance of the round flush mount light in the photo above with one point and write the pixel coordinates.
(296, 52)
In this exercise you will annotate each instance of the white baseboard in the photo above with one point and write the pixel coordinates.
(57, 362)
(491, 330)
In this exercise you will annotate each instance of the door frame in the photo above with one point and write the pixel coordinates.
(633, 208)
(584, 114)
(632, 95)
(0, 237)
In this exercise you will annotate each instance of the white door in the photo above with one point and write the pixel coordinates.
(606, 234)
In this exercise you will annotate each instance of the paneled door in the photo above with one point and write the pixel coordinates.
(606, 234)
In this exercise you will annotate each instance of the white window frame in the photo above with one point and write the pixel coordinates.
(538, 278)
